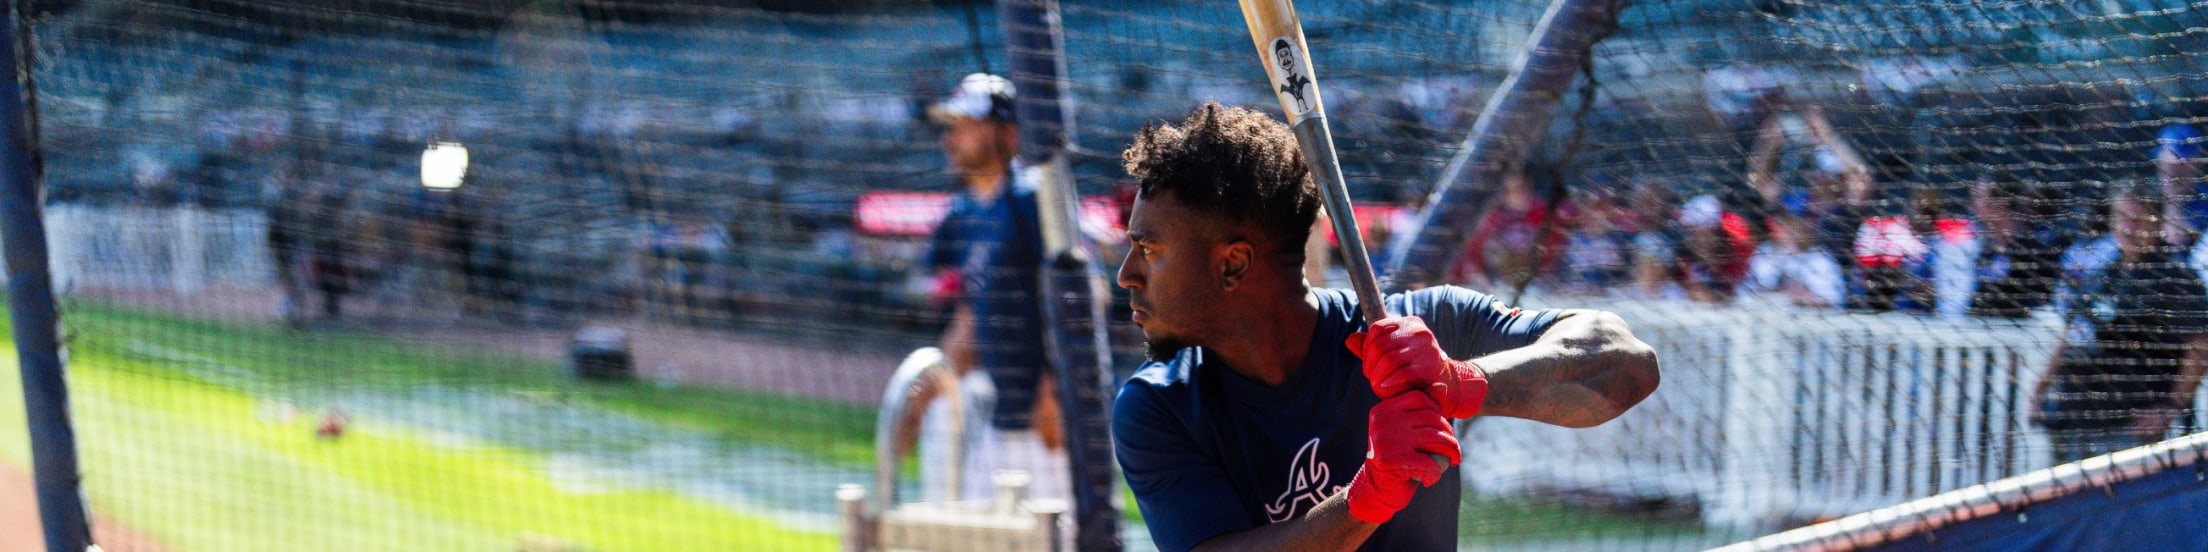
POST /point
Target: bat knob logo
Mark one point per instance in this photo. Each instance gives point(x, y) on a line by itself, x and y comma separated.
point(1295, 85)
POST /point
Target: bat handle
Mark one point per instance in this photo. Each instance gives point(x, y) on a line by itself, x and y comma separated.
point(1439, 460)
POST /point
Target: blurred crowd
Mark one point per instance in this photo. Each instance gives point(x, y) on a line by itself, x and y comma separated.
point(1811, 222)
point(1827, 234)
point(715, 199)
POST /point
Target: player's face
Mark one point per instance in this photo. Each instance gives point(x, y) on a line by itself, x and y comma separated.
point(2137, 227)
point(1707, 243)
point(974, 145)
point(1169, 274)
point(1286, 60)
point(1993, 211)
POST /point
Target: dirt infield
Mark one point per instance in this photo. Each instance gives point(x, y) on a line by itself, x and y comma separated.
point(19, 529)
point(665, 352)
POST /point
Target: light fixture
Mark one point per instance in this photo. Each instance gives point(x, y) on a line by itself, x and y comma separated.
point(444, 165)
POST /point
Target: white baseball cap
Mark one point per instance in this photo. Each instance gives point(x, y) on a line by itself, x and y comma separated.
point(979, 96)
point(1701, 212)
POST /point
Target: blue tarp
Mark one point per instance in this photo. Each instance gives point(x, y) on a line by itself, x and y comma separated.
point(2166, 511)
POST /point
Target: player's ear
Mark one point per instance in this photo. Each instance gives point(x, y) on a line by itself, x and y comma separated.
point(1234, 263)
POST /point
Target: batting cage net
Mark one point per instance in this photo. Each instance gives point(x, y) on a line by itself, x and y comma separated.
point(676, 275)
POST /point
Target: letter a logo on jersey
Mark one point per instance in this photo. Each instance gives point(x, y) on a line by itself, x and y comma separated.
point(1307, 479)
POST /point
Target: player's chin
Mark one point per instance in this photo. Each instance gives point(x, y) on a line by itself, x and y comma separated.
point(1159, 348)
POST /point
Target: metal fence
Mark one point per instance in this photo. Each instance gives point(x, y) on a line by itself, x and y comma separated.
point(182, 249)
point(1769, 415)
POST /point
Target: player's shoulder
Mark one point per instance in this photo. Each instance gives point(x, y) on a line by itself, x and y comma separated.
point(963, 205)
point(1172, 373)
point(1438, 299)
point(1446, 293)
point(1424, 302)
point(1160, 385)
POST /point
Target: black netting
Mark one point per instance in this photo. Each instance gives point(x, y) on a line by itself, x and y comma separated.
point(691, 248)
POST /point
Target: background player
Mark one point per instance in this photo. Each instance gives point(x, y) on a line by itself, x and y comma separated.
point(986, 253)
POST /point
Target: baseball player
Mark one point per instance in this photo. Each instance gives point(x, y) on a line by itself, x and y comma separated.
point(1272, 416)
point(986, 253)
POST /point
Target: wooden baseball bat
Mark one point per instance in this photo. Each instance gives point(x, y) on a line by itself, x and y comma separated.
point(1278, 35)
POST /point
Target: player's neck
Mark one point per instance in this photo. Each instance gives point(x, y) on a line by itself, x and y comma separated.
point(984, 184)
point(1272, 346)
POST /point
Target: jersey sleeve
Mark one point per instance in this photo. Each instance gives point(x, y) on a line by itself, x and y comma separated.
point(1184, 496)
point(1470, 324)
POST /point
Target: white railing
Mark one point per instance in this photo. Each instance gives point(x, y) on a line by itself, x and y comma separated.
point(1768, 414)
point(183, 249)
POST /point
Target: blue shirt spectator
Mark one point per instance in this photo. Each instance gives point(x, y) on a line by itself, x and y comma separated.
point(2177, 157)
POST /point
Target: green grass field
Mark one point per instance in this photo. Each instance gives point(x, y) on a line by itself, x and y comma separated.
point(179, 440)
point(203, 466)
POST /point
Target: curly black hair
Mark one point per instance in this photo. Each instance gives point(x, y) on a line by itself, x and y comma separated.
point(1231, 164)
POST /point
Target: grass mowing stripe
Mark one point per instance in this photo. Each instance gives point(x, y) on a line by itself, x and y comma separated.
point(839, 433)
point(192, 465)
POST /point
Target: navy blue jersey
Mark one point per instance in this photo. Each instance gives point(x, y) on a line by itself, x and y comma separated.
point(1209, 452)
point(2129, 325)
point(997, 249)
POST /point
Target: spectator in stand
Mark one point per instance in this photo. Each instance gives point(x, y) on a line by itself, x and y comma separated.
point(663, 237)
point(2136, 340)
point(697, 248)
point(1879, 252)
point(287, 241)
point(1836, 190)
point(1946, 278)
point(1655, 242)
point(1791, 266)
point(1717, 248)
point(488, 263)
point(2021, 257)
point(2177, 164)
point(1515, 241)
point(1597, 247)
point(333, 266)
point(2083, 261)
point(1888, 258)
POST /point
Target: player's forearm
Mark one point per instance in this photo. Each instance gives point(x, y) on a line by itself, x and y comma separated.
point(1821, 130)
point(1328, 527)
point(1763, 164)
point(2190, 370)
point(1585, 370)
point(2047, 376)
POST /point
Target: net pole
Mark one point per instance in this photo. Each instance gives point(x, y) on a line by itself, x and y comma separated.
point(1506, 130)
point(1073, 283)
point(31, 307)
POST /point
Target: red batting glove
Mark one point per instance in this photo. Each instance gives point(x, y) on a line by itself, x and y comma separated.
point(946, 286)
point(1407, 432)
point(1401, 355)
